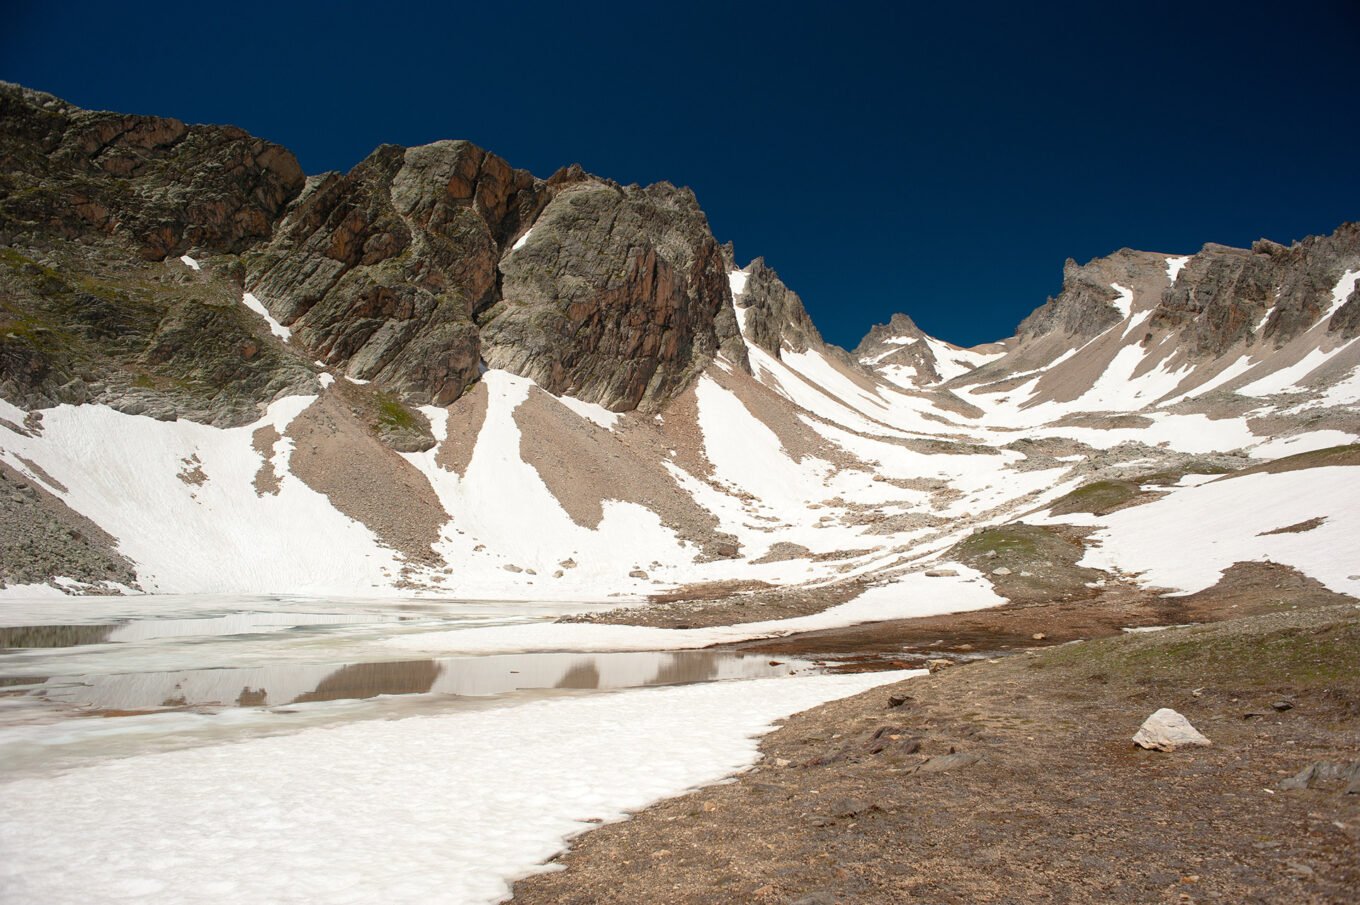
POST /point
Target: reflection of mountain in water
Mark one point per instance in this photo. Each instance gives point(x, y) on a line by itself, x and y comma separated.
point(367, 680)
point(584, 674)
point(680, 669)
point(286, 683)
point(54, 635)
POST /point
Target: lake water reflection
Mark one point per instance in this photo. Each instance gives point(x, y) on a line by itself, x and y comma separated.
point(113, 677)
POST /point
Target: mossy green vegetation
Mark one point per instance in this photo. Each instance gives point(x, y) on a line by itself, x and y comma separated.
point(393, 413)
point(1016, 541)
point(86, 324)
point(1097, 497)
point(1036, 562)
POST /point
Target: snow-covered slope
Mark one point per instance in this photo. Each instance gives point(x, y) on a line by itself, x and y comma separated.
point(808, 470)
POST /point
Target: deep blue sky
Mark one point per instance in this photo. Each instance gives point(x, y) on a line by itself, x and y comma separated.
point(942, 162)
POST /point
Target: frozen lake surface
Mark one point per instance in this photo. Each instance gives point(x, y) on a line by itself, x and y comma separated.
point(234, 749)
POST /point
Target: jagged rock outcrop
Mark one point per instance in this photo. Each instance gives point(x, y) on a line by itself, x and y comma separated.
point(1223, 293)
point(619, 295)
point(774, 314)
point(381, 270)
point(402, 271)
point(90, 204)
point(881, 336)
point(158, 185)
point(1221, 297)
point(1085, 305)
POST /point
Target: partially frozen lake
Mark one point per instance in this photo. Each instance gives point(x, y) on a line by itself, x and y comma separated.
point(232, 749)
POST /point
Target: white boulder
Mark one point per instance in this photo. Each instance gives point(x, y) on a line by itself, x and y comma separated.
point(1167, 730)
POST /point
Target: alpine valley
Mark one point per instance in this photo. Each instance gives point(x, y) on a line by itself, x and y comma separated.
point(441, 378)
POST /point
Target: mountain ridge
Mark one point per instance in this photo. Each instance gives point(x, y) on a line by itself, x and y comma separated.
point(423, 356)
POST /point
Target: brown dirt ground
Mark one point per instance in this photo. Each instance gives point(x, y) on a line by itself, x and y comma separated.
point(566, 451)
point(337, 456)
point(1322, 458)
point(466, 415)
point(1050, 801)
point(266, 477)
point(1246, 589)
point(725, 603)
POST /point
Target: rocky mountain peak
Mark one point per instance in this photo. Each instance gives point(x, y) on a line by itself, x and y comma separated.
point(899, 326)
point(1087, 304)
point(618, 295)
point(1268, 293)
point(773, 313)
point(380, 270)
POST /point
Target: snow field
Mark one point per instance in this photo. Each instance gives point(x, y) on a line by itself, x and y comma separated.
point(1174, 265)
point(258, 307)
point(444, 809)
point(1186, 539)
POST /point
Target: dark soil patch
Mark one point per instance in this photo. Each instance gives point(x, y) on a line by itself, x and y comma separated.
point(1297, 528)
point(1320, 458)
point(1246, 589)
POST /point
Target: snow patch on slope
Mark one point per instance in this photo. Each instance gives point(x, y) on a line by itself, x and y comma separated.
point(502, 505)
point(1340, 292)
point(258, 307)
point(736, 279)
point(135, 477)
point(1125, 300)
point(1175, 265)
point(1289, 379)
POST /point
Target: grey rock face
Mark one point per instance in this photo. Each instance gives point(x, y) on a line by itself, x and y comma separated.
point(157, 184)
point(381, 270)
point(401, 271)
point(619, 296)
point(1085, 306)
point(1225, 292)
point(775, 316)
point(1221, 295)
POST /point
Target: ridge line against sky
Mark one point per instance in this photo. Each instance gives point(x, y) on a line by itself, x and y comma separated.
point(883, 158)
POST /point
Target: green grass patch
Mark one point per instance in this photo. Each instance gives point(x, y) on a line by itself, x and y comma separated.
point(1166, 478)
point(1097, 498)
point(393, 414)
